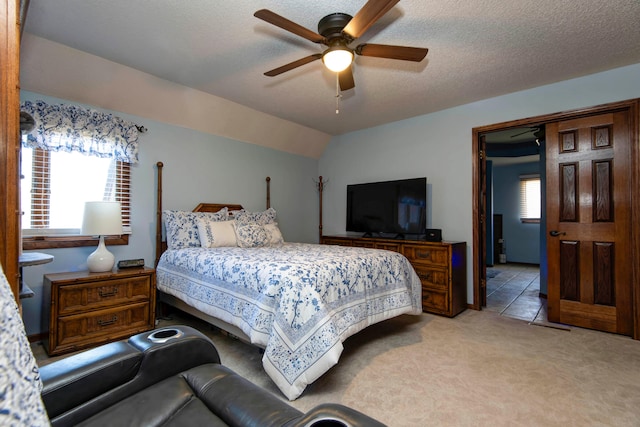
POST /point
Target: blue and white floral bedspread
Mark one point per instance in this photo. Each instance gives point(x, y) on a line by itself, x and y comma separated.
point(298, 301)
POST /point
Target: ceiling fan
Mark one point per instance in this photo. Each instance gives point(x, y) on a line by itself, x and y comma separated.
point(337, 31)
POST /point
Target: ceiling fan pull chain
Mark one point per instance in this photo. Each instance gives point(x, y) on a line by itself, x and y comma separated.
point(338, 96)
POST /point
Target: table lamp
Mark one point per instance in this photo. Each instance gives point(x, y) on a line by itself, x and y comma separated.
point(101, 219)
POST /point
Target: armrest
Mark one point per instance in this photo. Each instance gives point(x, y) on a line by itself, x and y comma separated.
point(81, 377)
point(335, 415)
point(86, 383)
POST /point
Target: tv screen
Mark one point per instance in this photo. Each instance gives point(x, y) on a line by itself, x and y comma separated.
point(398, 207)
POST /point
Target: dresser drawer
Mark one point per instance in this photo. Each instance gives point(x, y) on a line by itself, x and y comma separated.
point(433, 278)
point(433, 300)
point(395, 247)
point(332, 241)
point(432, 255)
point(363, 244)
point(107, 293)
point(88, 328)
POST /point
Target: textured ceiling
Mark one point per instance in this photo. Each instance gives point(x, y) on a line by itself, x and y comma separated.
point(477, 49)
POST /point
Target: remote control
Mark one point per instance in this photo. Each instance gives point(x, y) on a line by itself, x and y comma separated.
point(130, 263)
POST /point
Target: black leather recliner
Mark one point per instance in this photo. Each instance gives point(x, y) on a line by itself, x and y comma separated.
point(167, 377)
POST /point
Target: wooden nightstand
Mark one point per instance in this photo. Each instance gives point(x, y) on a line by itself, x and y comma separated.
point(89, 309)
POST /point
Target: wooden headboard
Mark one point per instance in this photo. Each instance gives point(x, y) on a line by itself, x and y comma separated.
point(215, 207)
point(161, 245)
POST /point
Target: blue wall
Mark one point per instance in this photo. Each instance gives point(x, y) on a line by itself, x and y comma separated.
point(522, 240)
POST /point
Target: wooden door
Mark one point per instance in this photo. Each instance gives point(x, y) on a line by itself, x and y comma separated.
point(483, 221)
point(588, 197)
point(9, 142)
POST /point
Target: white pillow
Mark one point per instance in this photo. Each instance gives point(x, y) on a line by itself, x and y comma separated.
point(274, 236)
point(215, 234)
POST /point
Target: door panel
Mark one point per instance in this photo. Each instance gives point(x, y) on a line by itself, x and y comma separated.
point(588, 222)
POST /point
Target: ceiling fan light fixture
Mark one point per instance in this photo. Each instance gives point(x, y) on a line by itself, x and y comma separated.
point(337, 58)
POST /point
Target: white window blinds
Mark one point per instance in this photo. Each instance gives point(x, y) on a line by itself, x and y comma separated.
point(530, 197)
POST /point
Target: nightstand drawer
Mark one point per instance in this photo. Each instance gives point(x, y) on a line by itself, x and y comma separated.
point(434, 301)
point(88, 328)
point(107, 293)
point(433, 278)
point(427, 255)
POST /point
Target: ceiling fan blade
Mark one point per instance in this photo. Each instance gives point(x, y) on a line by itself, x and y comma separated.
point(345, 78)
point(285, 24)
point(530, 129)
point(521, 133)
point(294, 64)
point(367, 16)
point(404, 53)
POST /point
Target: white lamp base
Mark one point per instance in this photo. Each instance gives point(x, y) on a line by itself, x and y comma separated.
point(101, 260)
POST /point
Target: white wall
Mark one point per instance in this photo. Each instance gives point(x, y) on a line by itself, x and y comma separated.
point(198, 167)
point(438, 146)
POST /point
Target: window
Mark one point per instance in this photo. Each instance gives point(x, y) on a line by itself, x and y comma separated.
point(55, 186)
point(530, 198)
point(70, 156)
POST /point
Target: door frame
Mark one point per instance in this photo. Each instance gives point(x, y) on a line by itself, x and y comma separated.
point(479, 197)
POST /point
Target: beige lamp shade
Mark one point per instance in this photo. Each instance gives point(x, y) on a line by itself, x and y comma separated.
point(101, 219)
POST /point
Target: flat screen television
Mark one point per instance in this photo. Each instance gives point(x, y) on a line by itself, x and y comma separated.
point(398, 207)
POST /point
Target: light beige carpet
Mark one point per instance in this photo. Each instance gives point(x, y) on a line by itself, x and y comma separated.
point(478, 369)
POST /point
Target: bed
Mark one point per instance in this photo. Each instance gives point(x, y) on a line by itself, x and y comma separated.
point(297, 301)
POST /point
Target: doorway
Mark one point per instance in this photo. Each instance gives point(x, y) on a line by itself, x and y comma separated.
point(514, 171)
point(513, 290)
point(479, 156)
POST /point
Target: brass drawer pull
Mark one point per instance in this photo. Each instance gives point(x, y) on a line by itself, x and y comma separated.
point(426, 276)
point(111, 321)
point(423, 254)
point(108, 292)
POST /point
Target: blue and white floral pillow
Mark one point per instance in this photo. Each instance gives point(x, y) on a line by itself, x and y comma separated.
point(182, 227)
point(262, 218)
point(251, 235)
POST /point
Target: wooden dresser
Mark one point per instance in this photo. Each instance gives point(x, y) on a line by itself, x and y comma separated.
point(441, 266)
point(89, 309)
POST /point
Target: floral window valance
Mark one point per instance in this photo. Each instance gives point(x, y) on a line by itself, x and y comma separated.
point(65, 127)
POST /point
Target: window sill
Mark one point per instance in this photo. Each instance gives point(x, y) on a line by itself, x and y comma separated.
point(52, 242)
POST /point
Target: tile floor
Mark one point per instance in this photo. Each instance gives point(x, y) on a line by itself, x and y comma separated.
point(514, 292)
